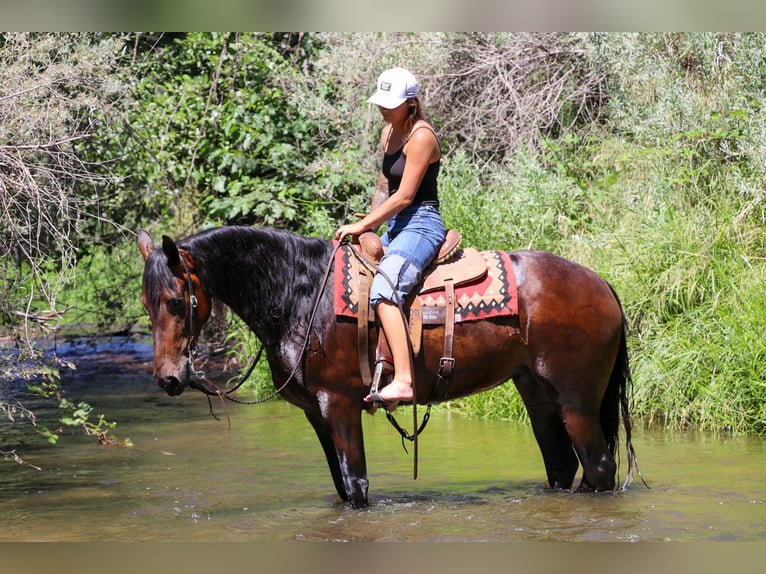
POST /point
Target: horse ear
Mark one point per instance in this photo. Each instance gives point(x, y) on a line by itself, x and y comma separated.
point(145, 244)
point(171, 252)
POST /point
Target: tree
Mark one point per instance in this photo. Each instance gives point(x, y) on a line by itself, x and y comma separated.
point(222, 131)
point(56, 91)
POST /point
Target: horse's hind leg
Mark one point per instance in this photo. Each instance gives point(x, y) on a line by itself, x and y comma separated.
point(555, 445)
point(599, 467)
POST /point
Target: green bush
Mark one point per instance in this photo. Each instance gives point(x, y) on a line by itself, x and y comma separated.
point(665, 200)
point(639, 155)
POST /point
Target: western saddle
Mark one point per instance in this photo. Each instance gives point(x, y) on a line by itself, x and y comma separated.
point(451, 267)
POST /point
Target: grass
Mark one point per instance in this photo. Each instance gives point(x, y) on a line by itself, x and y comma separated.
point(688, 265)
point(663, 196)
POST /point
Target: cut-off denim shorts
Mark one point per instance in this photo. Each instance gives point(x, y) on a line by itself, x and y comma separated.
point(413, 239)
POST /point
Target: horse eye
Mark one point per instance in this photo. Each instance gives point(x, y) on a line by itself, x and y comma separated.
point(176, 303)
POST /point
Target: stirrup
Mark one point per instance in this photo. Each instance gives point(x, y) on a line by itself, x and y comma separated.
point(383, 368)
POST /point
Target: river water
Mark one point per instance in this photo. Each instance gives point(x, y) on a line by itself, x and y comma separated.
point(189, 477)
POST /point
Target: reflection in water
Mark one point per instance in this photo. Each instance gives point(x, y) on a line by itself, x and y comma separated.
point(190, 479)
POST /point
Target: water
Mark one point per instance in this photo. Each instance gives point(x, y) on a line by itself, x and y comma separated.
point(190, 478)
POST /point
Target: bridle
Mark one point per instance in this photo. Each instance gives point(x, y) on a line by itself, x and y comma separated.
point(201, 382)
point(204, 384)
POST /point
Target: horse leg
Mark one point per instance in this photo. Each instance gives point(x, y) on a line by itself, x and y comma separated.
point(599, 466)
point(555, 445)
point(582, 414)
point(342, 441)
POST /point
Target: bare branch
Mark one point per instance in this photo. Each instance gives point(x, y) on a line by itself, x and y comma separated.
point(500, 92)
point(50, 145)
point(11, 454)
point(55, 90)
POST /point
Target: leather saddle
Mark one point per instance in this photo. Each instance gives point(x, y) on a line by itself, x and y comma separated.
point(451, 267)
point(450, 264)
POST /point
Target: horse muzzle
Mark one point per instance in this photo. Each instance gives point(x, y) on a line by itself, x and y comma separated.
point(172, 385)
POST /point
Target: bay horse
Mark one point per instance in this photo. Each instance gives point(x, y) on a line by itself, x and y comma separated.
point(565, 350)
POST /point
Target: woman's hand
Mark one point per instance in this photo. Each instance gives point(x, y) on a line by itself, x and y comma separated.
point(353, 229)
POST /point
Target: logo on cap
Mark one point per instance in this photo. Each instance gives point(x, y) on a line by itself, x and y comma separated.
point(385, 86)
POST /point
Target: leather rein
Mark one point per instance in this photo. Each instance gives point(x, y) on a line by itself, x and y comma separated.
point(209, 388)
point(204, 384)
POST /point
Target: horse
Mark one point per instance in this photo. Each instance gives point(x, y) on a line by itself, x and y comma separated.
point(565, 349)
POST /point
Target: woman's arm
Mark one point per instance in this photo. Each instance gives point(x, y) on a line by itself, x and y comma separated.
point(421, 150)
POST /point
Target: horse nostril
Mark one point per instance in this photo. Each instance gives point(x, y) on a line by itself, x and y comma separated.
point(171, 385)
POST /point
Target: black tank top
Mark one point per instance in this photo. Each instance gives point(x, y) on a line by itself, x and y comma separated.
point(393, 169)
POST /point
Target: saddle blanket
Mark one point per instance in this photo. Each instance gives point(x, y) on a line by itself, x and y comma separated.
point(493, 295)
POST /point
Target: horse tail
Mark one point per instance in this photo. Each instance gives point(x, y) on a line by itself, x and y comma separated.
point(616, 403)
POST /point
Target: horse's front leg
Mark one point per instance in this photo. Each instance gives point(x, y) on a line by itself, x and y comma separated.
point(338, 425)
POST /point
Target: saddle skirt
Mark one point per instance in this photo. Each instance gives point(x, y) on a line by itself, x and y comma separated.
point(484, 281)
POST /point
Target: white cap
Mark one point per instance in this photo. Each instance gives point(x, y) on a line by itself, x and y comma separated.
point(395, 86)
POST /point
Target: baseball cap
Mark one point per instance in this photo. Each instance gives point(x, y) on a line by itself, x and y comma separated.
point(395, 86)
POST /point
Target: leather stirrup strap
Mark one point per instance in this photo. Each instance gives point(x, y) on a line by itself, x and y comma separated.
point(383, 352)
point(384, 364)
point(363, 327)
point(447, 362)
point(416, 325)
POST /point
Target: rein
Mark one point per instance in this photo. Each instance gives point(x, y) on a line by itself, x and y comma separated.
point(413, 438)
point(208, 387)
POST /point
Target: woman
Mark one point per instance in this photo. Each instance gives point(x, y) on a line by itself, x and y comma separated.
point(411, 161)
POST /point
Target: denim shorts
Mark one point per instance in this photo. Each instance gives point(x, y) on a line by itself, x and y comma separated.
point(413, 239)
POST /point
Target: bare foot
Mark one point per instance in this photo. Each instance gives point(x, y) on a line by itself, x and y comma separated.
point(395, 391)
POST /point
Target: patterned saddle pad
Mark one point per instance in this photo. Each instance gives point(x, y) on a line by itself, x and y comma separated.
point(492, 295)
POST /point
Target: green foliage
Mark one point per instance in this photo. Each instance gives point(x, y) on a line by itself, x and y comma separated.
point(243, 347)
point(665, 200)
point(687, 249)
point(638, 155)
point(219, 134)
point(521, 206)
point(106, 296)
point(71, 414)
point(704, 370)
point(44, 383)
point(701, 362)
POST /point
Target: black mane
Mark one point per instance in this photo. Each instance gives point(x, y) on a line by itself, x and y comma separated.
point(268, 277)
